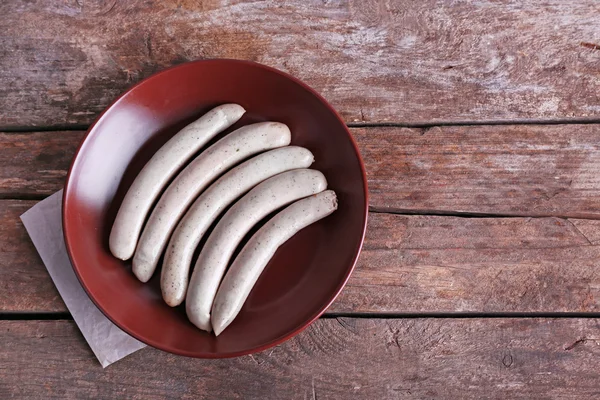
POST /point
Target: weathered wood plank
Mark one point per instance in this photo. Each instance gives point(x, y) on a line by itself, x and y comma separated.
point(24, 282)
point(36, 163)
point(519, 170)
point(447, 264)
point(333, 359)
point(409, 264)
point(402, 61)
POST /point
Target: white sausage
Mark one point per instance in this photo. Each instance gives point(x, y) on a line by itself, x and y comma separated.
point(255, 255)
point(159, 170)
point(210, 164)
point(204, 211)
point(265, 198)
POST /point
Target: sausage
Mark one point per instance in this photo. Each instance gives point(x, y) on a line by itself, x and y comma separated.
point(210, 164)
point(265, 198)
point(255, 255)
point(159, 170)
point(204, 211)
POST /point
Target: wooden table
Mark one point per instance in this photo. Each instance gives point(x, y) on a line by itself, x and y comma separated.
point(479, 125)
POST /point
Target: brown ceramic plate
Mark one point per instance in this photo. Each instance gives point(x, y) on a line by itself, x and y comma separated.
point(306, 274)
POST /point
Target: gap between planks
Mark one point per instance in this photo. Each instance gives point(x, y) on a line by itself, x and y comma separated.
point(430, 124)
point(65, 316)
point(469, 214)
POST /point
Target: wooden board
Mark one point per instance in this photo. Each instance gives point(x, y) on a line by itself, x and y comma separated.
point(430, 264)
point(409, 264)
point(24, 282)
point(35, 164)
point(514, 170)
point(400, 61)
point(333, 359)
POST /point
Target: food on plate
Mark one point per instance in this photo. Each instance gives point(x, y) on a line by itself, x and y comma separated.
point(255, 255)
point(209, 165)
point(195, 199)
point(159, 170)
point(265, 198)
point(214, 200)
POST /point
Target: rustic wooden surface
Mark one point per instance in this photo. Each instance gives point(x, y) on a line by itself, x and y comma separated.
point(24, 282)
point(409, 264)
point(475, 210)
point(334, 359)
point(62, 62)
point(35, 164)
point(508, 170)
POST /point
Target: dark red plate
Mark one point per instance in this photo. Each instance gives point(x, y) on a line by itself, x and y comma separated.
point(306, 274)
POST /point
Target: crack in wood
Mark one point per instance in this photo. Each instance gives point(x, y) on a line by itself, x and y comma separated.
point(581, 341)
point(579, 231)
point(589, 45)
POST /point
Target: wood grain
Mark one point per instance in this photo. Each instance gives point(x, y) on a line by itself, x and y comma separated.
point(409, 264)
point(431, 264)
point(36, 163)
point(333, 359)
point(515, 170)
point(62, 62)
point(24, 282)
